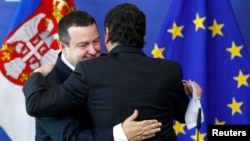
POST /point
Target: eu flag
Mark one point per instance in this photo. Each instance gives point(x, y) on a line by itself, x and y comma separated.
point(204, 37)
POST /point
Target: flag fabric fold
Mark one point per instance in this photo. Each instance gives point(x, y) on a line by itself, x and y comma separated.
point(203, 36)
point(30, 43)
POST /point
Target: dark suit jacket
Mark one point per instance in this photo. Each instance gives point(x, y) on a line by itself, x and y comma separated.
point(73, 126)
point(112, 86)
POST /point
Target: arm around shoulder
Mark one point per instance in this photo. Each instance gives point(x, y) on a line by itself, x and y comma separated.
point(36, 82)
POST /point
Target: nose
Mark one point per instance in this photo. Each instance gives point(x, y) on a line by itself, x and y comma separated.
point(92, 50)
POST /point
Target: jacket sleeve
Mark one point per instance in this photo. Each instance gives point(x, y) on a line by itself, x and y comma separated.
point(68, 129)
point(181, 99)
point(98, 135)
point(43, 101)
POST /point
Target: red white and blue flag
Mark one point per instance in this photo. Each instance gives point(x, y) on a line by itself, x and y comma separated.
point(30, 43)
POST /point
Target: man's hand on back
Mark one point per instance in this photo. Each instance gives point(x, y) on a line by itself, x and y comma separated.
point(140, 130)
point(45, 70)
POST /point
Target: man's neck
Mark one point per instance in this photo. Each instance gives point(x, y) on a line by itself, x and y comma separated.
point(110, 46)
point(67, 62)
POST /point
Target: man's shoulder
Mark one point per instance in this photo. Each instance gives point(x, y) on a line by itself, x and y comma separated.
point(161, 60)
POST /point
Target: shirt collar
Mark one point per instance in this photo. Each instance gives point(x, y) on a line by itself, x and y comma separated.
point(67, 62)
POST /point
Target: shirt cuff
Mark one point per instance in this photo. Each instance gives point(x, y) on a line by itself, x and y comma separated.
point(118, 133)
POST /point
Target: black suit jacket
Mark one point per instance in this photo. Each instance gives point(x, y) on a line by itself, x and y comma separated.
point(72, 127)
point(112, 86)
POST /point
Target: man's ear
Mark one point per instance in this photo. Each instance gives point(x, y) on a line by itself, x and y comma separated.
point(106, 35)
point(62, 47)
point(60, 44)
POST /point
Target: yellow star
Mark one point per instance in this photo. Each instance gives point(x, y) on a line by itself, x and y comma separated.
point(24, 77)
point(176, 31)
point(198, 21)
point(217, 122)
point(235, 106)
point(201, 136)
point(234, 50)
point(46, 21)
point(157, 52)
point(216, 28)
point(179, 128)
point(8, 48)
point(6, 56)
point(242, 79)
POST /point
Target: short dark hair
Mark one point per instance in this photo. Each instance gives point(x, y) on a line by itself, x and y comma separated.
point(127, 25)
point(74, 18)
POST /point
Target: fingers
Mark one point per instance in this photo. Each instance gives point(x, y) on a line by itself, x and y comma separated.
point(198, 89)
point(148, 127)
point(133, 116)
point(151, 127)
point(147, 137)
point(189, 90)
point(149, 130)
point(45, 70)
point(140, 130)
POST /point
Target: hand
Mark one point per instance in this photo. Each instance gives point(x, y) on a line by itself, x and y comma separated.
point(140, 130)
point(189, 90)
point(45, 70)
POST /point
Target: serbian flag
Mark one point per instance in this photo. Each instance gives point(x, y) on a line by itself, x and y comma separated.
point(30, 43)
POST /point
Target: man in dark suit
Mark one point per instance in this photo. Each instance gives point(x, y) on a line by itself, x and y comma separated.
point(79, 41)
point(112, 86)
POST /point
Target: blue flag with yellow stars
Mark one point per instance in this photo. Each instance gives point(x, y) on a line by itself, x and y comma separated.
point(204, 37)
